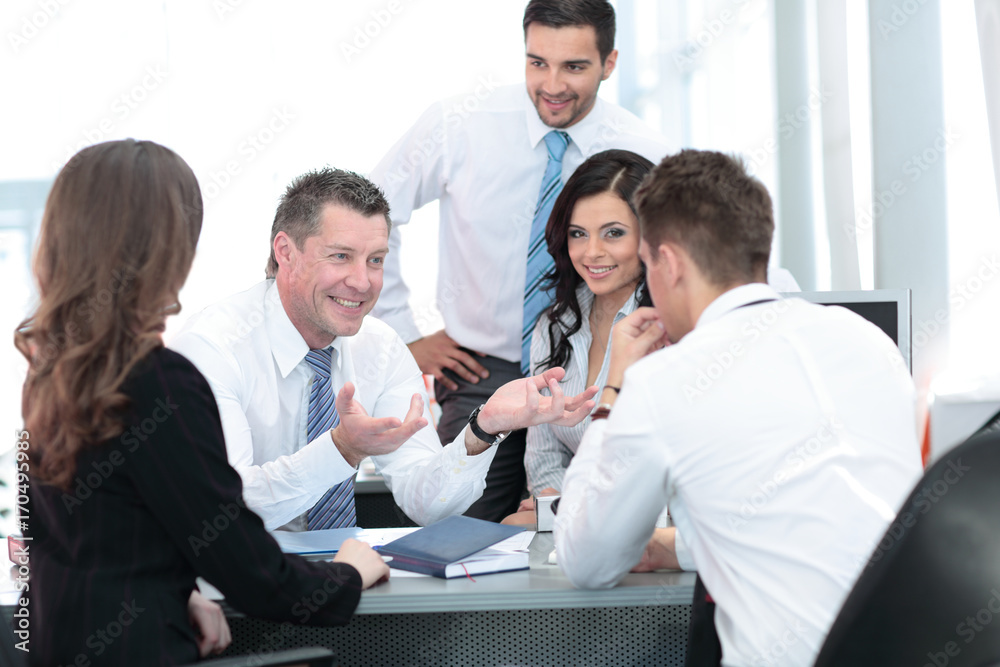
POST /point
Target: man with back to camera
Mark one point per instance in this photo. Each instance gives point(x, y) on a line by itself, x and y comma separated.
point(497, 171)
point(307, 385)
point(782, 433)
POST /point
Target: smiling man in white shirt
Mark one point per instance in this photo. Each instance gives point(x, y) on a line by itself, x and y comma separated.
point(485, 165)
point(258, 351)
point(782, 434)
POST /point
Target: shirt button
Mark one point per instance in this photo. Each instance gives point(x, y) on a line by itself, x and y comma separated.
point(458, 470)
point(461, 463)
point(444, 500)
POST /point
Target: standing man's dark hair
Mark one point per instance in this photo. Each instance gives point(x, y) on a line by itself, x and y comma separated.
point(564, 13)
point(301, 207)
point(707, 203)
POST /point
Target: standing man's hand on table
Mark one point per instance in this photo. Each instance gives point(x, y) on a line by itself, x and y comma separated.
point(439, 351)
point(365, 560)
point(358, 435)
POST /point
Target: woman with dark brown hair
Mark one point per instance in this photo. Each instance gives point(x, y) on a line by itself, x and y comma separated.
point(597, 279)
point(130, 494)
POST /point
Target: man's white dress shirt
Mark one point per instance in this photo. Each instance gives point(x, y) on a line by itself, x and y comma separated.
point(484, 161)
point(254, 359)
point(783, 436)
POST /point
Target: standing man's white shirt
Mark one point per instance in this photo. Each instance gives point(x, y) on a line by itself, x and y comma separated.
point(253, 358)
point(485, 167)
point(782, 434)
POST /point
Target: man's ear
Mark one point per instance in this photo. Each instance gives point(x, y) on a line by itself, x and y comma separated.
point(609, 64)
point(284, 250)
point(675, 261)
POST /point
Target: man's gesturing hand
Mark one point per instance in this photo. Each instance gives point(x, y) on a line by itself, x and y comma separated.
point(439, 351)
point(358, 435)
point(519, 404)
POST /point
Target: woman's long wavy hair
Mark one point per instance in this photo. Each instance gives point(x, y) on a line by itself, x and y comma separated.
point(117, 241)
point(616, 171)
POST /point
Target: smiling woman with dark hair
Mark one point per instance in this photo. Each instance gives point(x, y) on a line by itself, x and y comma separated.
point(593, 237)
point(130, 494)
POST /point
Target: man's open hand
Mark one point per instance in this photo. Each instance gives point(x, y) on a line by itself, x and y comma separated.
point(520, 404)
point(358, 435)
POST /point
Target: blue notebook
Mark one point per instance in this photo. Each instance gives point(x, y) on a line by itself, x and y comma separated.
point(444, 549)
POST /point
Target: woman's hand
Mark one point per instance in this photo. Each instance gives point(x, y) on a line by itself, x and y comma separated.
point(365, 560)
point(209, 624)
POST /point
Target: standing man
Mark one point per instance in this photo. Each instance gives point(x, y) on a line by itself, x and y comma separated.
point(307, 385)
point(781, 433)
point(497, 171)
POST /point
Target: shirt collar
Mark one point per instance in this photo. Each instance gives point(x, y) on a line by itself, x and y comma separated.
point(288, 347)
point(583, 133)
point(585, 298)
point(736, 298)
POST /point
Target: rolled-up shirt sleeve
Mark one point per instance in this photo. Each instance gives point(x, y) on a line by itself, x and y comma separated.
point(428, 481)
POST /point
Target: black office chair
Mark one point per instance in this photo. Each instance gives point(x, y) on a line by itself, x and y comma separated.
point(930, 593)
point(304, 657)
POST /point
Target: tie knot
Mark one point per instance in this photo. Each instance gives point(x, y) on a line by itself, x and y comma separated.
point(320, 361)
point(556, 142)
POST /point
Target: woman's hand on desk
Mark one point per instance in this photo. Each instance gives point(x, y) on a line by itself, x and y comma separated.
point(528, 504)
point(365, 560)
point(209, 623)
point(660, 553)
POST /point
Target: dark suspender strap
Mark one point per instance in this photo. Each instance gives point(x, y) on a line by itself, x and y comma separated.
point(703, 648)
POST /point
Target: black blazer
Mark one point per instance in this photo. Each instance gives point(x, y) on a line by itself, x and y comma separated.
point(114, 560)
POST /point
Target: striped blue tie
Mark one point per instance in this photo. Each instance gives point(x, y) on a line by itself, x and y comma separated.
point(540, 262)
point(336, 508)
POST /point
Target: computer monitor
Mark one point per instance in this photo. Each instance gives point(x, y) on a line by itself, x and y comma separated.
point(888, 309)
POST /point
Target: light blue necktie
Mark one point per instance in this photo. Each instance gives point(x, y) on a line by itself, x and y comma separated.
point(540, 262)
point(336, 508)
